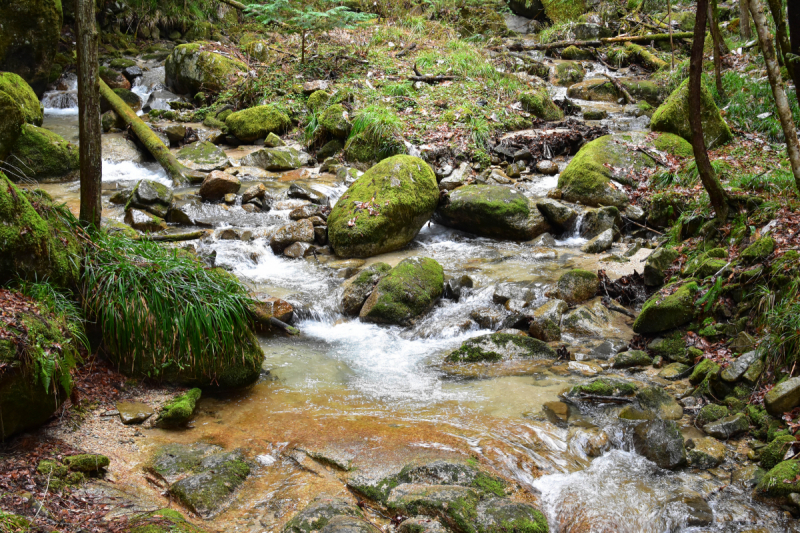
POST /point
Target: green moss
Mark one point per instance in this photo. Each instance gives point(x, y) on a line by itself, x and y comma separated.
point(317, 101)
point(402, 189)
point(500, 346)
point(178, 411)
point(540, 105)
point(257, 122)
point(711, 413)
point(773, 485)
point(11, 121)
point(23, 95)
point(189, 69)
point(661, 313)
point(162, 521)
point(407, 292)
point(489, 484)
point(334, 121)
point(363, 148)
point(86, 462)
point(48, 467)
point(573, 53)
point(673, 145)
point(564, 10)
point(673, 117)
point(11, 523)
point(773, 453)
point(45, 156)
point(598, 387)
point(569, 72)
point(703, 369)
point(759, 250)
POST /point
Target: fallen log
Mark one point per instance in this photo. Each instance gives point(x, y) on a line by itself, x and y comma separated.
point(283, 326)
point(176, 237)
point(429, 79)
point(625, 94)
point(179, 174)
point(600, 42)
point(234, 3)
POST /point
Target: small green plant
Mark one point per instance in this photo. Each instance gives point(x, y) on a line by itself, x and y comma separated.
point(379, 124)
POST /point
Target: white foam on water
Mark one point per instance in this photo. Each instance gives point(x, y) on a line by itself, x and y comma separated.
point(60, 111)
point(124, 171)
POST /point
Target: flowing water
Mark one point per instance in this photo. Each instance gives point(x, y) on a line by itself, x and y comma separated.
point(373, 398)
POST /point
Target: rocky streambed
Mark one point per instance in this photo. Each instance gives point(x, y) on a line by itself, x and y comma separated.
point(509, 400)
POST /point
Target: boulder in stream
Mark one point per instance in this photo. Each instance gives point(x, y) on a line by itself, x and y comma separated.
point(203, 156)
point(384, 209)
point(500, 347)
point(540, 105)
point(492, 211)
point(11, 121)
point(257, 122)
point(217, 184)
point(358, 288)
point(45, 156)
point(406, 293)
point(276, 159)
point(662, 313)
point(556, 213)
point(602, 90)
point(673, 117)
point(285, 236)
point(191, 68)
point(661, 442)
point(576, 286)
point(151, 196)
point(546, 321)
point(706, 452)
point(774, 483)
point(601, 243)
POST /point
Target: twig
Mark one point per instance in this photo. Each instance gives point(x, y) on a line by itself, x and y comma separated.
point(641, 226)
point(628, 98)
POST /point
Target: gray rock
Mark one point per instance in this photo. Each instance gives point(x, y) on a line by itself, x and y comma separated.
point(706, 452)
point(748, 476)
point(204, 156)
point(273, 141)
point(601, 243)
point(434, 500)
point(298, 250)
point(456, 179)
point(661, 442)
point(632, 358)
point(586, 31)
point(347, 524)
point(591, 320)
point(144, 221)
point(656, 265)
point(358, 288)
point(173, 461)
point(209, 492)
point(675, 371)
point(217, 184)
point(299, 231)
point(151, 196)
point(691, 506)
point(576, 286)
point(546, 321)
point(728, 427)
point(734, 371)
point(548, 168)
point(501, 347)
point(131, 413)
point(783, 397)
point(558, 214)
point(276, 159)
point(308, 211)
point(303, 192)
point(320, 511)
point(543, 241)
point(421, 524)
point(597, 221)
point(494, 514)
point(635, 213)
point(255, 191)
point(175, 133)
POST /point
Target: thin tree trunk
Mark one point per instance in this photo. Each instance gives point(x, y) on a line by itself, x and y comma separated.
point(794, 34)
point(91, 164)
point(744, 19)
point(785, 48)
point(517, 46)
point(671, 41)
point(707, 175)
point(775, 80)
point(717, 39)
point(234, 3)
point(179, 174)
point(303, 47)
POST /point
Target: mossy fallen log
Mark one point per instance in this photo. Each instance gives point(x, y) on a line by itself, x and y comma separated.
point(177, 237)
point(179, 174)
point(600, 42)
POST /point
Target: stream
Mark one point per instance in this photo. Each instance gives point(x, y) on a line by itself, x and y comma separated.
point(374, 398)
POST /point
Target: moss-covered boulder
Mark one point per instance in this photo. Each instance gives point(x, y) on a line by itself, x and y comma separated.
point(602, 90)
point(11, 121)
point(573, 53)
point(358, 288)
point(179, 410)
point(161, 521)
point(364, 148)
point(35, 240)
point(13, 85)
point(209, 491)
point(406, 293)
point(257, 122)
point(335, 122)
point(782, 480)
point(759, 250)
point(540, 105)
point(384, 209)
point(564, 11)
point(45, 156)
point(588, 177)
point(569, 73)
point(577, 286)
point(29, 39)
point(502, 515)
point(191, 68)
point(773, 453)
point(673, 117)
point(317, 101)
point(37, 354)
point(656, 265)
point(632, 358)
point(88, 463)
point(276, 159)
point(662, 313)
point(501, 347)
point(203, 156)
point(492, 211)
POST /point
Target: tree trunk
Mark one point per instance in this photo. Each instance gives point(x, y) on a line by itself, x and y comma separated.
point(707, 175)
point(717, 38)
point(794, 33)
point(775, 80)
point(180, 174)
point(234, 3)
point(91, 164)
point(671, 40)
point(744, 19)
point(785, 48)
point(303, 48)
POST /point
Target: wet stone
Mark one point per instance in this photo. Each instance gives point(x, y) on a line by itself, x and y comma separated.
point(495, 514)
point(173, 461)
point(706, 452)
point(783, 397)
point(209, 492)
point(548, 168)
point(319, 512)
point(347, 524)
point(556, 412)
point(204, 156)
point(674, 371)
point(297, 250)
point(421, 524)
point(661, 442)
point(692, 505)
point(734, 371)
point(134, 412)
point(632, 358)
point(748, 476)
point(302, 192)
point(728, 427)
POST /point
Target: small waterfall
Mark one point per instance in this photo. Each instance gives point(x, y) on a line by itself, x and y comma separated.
point(63, 99)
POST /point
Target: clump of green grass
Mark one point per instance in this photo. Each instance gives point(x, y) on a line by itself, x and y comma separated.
point(378, 123)
point(777, 181)
point(61, 304)
point(749, 98)
point(160, 303)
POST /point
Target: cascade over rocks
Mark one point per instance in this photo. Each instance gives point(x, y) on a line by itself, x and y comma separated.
point(384, 209)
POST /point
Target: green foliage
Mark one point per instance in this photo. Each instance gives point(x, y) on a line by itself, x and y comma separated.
point(60, 303)
point(748, 98)
point(380, 125)
point(162, 304)
point(776, 181)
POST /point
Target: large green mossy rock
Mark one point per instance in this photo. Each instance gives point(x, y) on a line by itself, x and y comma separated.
point(588, 177)
point(35, 243)
point(33, 338)
point(190, 69)
point(563, 10)
point(179, 410)
point(384, 209)
point(45, 156)
point(774, 483)
point(673, 117)
point(29, 34)
point(501, 347)
point(540, 105)
point(662, 313)
point(13, 85)
point(406, 293)
point(161, 521)
point(363, 148)
point(11, 120)
point(602, 90)
point(257, 122)
point(209, 491)
point(492, 211)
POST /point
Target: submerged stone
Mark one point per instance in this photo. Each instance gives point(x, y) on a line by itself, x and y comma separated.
point(661, 442)
point(501, 347)
point(209, 491)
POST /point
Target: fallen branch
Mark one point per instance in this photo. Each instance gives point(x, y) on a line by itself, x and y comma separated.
point(283, 326)
point(429, 79)
point(234, 3)
point(641, 226)
point(597, 398)
point(625, 94)
point(179, 174)
point(177, 237)
point(600, 42)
